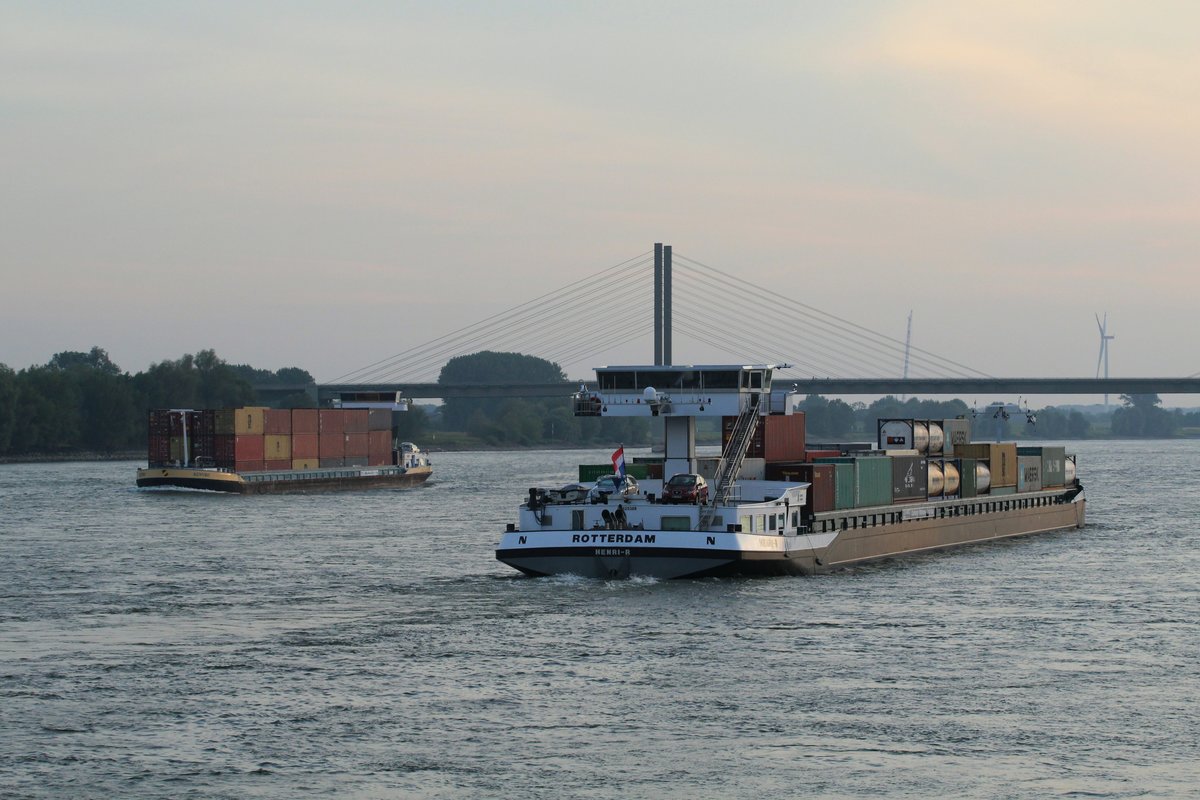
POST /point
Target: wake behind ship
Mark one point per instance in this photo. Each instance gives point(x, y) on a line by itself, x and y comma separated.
point(769, 505)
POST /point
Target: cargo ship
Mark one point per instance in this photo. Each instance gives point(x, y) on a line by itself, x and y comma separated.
point(770, 505)
point(256, 450)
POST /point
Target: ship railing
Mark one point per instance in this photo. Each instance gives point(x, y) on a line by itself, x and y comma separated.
point(586, 404)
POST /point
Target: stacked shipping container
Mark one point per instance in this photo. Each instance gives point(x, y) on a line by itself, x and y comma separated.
point(255, 439)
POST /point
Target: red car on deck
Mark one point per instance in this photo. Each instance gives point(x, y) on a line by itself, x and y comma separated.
point(686, 487)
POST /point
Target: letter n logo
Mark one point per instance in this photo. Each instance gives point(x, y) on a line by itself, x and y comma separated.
point(711, 539)
point(521, 540)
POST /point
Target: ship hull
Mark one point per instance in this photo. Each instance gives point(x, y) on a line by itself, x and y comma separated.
point(695, 554)
point(335, 479)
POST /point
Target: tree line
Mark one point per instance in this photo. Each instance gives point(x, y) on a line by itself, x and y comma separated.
point(83, 402)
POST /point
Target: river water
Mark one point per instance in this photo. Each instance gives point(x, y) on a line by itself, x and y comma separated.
point(367, 644)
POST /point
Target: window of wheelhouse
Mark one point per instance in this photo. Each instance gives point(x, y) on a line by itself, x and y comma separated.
point(616, 381)
point(719, 379)
point(752, 379)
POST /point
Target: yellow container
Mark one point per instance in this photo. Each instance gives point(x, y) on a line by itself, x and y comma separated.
point(249, 420)
point(305, 463)
point(277, 446)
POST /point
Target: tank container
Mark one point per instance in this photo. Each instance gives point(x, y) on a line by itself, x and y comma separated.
point(935, 479)
point(1069, 471)
point(937, 438)
point(903, 434)
point(953, 478)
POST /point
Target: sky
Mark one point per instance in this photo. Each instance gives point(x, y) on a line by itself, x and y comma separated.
point(323, 185)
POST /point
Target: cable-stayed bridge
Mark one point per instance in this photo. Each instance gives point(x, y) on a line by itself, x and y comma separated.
point(661, 296)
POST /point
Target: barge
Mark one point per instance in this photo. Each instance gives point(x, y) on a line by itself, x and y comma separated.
point(254, 450)
point(772, 506)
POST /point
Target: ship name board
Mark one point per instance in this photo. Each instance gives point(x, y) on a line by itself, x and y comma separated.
point(612, 538)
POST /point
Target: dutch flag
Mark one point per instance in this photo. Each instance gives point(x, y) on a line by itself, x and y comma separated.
point(618, 459)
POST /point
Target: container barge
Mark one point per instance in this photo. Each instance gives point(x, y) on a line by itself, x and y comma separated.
point(770, 505)
point(255, 450)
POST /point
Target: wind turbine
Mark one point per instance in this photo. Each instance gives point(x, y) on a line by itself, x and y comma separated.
point(1105, 338)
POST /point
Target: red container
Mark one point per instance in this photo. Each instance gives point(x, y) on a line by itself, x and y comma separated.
point(206, 423)
point(357, 420)
point(812, 455)
point(823, 480)
point(331, 445)
point(160, 423)
point(379, 448)
point(248, 447)
point(305, 445)
point(249, 466)
point(332, 420)
point(277, 421)
point(357, 444)
point(379, 419)
point(159, 451)
point(305, 420)
point(783, 437)
point(279, 465)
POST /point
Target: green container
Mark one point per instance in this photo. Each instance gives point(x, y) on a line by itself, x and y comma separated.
point(872, 481)
point(843, 486)
point(968, 486)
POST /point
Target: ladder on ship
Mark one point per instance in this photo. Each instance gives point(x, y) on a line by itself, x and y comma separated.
point(732, 458)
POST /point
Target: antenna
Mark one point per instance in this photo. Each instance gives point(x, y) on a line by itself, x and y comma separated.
point(1105, 338)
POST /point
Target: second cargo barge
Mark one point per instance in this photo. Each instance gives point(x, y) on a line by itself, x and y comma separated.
point(257, 450)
